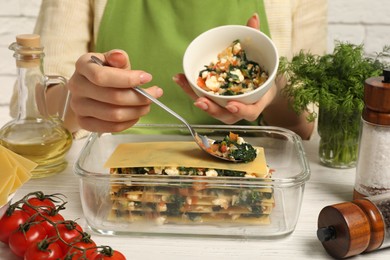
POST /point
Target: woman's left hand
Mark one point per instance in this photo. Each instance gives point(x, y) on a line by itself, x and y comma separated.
point(234, 111)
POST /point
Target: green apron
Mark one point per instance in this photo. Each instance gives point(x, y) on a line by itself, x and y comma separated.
point(155, 34)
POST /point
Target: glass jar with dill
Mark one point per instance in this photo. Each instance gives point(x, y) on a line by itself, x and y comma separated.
point(334, 83)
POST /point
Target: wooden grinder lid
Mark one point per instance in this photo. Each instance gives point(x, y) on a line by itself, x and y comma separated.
point(377, 99)
point(343, 229)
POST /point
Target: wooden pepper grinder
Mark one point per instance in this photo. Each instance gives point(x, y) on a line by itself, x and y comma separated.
point(351, 228)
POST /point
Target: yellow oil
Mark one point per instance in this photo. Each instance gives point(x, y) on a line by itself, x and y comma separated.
point(45, 143)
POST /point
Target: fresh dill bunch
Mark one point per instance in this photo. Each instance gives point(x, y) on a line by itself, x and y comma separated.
point(334, 81)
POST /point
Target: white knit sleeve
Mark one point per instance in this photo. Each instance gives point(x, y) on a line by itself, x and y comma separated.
point(66, 31)
point(298, 24)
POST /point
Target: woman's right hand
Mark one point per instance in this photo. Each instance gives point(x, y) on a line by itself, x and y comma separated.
point(101, 97)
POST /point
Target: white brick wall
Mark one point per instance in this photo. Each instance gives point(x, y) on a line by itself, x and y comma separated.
point(16, 16)
point(355, 21)
point(360, 21)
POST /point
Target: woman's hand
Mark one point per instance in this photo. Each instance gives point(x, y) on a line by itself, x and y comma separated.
point(234, 111)
point(102, 99)
point(275, 108)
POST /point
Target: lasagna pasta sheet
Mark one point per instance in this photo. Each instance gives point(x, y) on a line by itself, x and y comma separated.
point(172, 154)
point(196, 202)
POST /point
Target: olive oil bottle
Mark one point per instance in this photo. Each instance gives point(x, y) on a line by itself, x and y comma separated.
point(34, 134)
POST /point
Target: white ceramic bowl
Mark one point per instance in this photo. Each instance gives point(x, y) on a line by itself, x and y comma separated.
point(205, 48)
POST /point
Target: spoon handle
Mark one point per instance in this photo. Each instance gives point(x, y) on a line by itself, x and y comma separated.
point(157, 102)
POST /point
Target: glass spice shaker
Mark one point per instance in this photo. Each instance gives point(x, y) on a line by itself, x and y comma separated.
point(34, 134)
point(373, 167)
point(351, 228)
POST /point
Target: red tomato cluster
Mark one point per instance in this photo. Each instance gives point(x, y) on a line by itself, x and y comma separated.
point(34, 229)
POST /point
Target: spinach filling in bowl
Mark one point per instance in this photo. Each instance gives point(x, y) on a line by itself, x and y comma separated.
point(232, 73)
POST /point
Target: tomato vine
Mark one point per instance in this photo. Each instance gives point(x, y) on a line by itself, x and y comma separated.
point(34, 228)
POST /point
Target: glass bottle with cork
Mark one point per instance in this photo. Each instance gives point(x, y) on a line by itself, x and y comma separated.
point(34, 133)
point(373, 167)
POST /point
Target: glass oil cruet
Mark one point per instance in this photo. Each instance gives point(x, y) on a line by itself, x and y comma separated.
point(34, 134)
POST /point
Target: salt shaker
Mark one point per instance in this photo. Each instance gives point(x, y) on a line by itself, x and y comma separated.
point(351, 228)
point(373, 167)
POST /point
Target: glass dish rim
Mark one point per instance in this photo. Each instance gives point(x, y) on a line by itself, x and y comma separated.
point(297, 179)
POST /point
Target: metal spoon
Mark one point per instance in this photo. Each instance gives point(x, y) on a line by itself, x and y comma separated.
point(201, 140)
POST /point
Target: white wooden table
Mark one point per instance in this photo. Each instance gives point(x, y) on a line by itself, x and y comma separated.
point(326, 186)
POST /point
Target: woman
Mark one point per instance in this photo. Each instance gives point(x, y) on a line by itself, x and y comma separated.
point(143, 42)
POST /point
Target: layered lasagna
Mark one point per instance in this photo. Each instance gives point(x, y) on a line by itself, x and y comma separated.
point(175, 182)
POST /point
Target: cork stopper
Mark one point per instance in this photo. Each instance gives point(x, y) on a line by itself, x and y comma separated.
point(343, 229)
point(28, 50)
point(377, 99)
point(29, 40)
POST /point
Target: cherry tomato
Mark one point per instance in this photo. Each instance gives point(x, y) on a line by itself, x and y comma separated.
point(10, 222)
point(52, 216)
point(108, 253)
point(43, 250)
point(24, 236)
point(69, 231)
point(86, 244)
point(38, 205)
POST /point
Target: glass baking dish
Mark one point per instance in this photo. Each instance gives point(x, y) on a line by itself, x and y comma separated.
point(276, 200)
